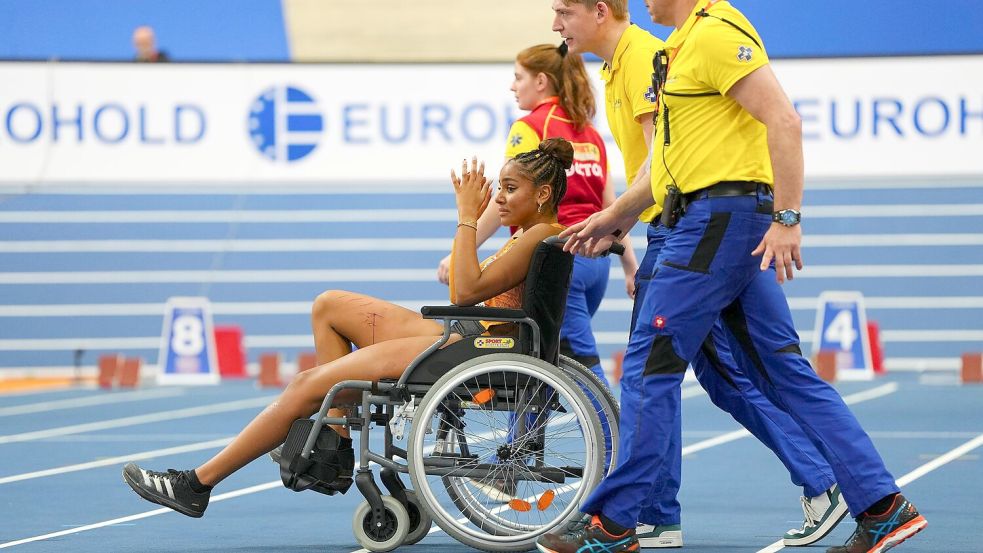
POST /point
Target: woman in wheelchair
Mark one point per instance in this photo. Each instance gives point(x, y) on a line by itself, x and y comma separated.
point(388, 337)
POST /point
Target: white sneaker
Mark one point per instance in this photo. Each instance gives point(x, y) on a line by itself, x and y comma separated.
point(822, 514)
point(657, 537)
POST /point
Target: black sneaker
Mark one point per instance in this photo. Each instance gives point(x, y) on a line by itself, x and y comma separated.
point(587, 536)
point(878, 533)
point(170, 489)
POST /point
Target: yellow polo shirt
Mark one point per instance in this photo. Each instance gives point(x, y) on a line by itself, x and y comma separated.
point(712, 138)
point(628, 97)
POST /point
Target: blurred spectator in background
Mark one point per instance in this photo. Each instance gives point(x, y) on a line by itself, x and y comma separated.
point(145, 44)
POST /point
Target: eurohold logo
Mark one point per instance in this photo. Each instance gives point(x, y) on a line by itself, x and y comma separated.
point(285, 124)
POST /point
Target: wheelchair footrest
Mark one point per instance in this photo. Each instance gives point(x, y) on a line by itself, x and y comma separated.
point(328, 469)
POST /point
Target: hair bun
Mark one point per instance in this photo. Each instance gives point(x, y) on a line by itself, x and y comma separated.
point(558, 149)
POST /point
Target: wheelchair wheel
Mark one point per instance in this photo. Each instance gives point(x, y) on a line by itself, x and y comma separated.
point(609, 413)
point(607, 406)
point(504, 418)
point(420, 521)
point(386, 537)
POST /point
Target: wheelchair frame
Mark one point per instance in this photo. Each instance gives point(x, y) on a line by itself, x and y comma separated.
point(397, 401)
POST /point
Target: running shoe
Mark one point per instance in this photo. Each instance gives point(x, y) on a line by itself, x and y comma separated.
point(170, 489)
point(878, 533)
point(822, 514)
point(590, 536)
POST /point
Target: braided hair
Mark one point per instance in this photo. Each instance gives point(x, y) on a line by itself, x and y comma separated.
point(547, 164)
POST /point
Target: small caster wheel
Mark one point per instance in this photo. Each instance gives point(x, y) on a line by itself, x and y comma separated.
point(384, 536)
point(420, 520)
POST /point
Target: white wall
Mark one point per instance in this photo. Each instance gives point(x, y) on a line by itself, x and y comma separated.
point(99, 123)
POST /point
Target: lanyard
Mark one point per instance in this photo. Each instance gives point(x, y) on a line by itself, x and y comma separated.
point(675, 51)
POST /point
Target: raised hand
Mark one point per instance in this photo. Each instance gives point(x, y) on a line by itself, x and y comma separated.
point(472, 190)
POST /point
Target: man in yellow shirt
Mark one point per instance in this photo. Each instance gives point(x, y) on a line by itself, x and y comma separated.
point(728, 165)
point(603, 28)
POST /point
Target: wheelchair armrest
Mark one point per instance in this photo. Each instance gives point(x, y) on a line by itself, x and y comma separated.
point(471, 313)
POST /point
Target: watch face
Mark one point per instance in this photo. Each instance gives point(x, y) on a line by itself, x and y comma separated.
point(788, 217)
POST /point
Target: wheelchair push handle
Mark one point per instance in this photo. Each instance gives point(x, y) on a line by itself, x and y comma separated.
point(617, 248)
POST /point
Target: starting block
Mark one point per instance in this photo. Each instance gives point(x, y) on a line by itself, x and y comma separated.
point(129, 373)
point(306, 361)
point(617, 363)
point(109, 365)
point(972, 368)
point(825, 365)
point(269, 371)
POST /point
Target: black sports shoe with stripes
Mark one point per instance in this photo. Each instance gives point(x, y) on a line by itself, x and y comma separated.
point(170, 489)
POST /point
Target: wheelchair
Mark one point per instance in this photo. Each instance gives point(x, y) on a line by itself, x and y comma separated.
point(504, 436)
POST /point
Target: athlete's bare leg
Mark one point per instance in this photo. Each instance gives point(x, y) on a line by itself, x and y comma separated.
point(304, 396)
point(341, 319)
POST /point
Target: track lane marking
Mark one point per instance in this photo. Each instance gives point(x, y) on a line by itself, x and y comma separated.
point(117, 459)
point(139, 419)
point(866, 395)
point(138, 516)
point(88, 401)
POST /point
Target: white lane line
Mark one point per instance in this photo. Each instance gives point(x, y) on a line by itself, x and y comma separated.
point(211, 444)
point(693, 391)
point(692, 434)
point(866, 395)
point(805, 303)
point(423, 275)
point(941, 461)
point(410, 215)
point(277, 245)
point(138, 516)
point(307, 341)
point(238, 216)
point(102, 399)
point(391, 244)
point(928, 467)
point(139, 419)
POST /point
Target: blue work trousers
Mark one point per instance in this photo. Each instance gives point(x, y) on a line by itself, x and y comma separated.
point(588, 284)
point(705, 272)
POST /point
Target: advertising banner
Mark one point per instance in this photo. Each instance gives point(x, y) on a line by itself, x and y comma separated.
point(389, 124)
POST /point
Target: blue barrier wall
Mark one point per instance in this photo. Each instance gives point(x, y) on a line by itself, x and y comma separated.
point(852, 28)
point(253, 30)
point(188, 30)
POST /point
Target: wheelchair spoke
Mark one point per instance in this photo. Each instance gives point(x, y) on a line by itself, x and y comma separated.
point(515, 452)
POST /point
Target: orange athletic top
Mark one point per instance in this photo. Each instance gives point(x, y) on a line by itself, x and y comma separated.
point(511, 298)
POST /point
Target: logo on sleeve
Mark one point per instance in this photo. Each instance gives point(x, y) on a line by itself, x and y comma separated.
point(515, 140)
point(659, 322)
point(744, 53)
point(650, 95)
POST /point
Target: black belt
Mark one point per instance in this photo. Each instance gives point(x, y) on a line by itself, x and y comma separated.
point(724, 189)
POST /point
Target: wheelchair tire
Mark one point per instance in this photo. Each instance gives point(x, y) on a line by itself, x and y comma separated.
point(391, 535)
point(489, 529)
point(420, 521)
point(610, 408)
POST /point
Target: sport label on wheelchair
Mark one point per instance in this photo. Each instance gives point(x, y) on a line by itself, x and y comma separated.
point(487, 342)
point(841, 326)
point(187, 343)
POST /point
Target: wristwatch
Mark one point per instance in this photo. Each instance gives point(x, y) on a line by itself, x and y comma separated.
point(787, 217)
